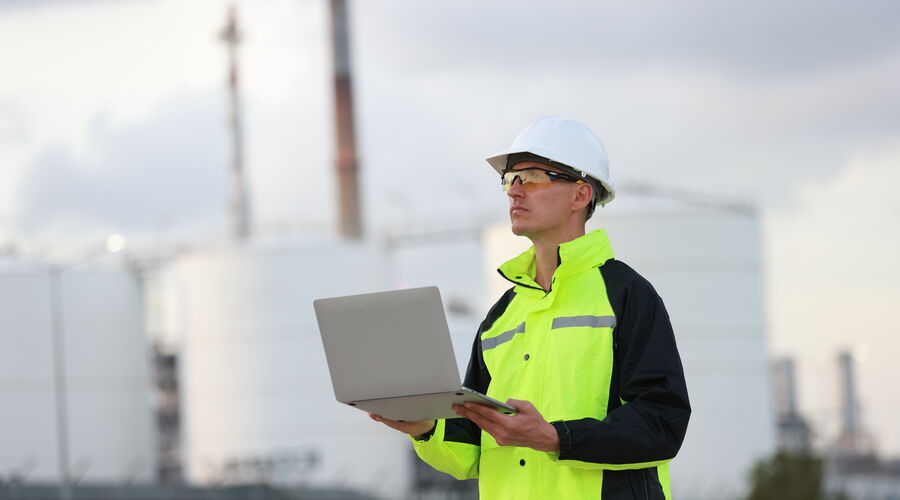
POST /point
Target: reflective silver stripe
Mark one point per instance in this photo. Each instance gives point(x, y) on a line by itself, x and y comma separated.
point(503, 337)
point(591, 321)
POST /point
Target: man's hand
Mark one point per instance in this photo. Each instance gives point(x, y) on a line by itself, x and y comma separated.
point(527, 428)
point(414, 429)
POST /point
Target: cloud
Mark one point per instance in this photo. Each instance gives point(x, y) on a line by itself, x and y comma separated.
point(167, 169)
point(843, 219)
point(694, 130)
point(12, 123)
point(31, 4)
point(755, 39)
point(742, 100)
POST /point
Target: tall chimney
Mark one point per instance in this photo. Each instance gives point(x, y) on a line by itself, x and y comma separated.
point(850, 427)
point(785, 388)
point(349, 223)
point(793, 431)
point(238, 203)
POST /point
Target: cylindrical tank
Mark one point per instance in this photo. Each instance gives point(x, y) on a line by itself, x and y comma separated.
point(257, 399)
point(106, 419)
point(706, 265)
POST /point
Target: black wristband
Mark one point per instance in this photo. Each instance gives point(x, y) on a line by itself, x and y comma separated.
point(426, 436)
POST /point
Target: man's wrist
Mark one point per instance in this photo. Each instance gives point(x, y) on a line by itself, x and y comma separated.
point(552, 439)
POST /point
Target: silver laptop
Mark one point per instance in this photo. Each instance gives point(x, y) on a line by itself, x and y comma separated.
point(389, 353)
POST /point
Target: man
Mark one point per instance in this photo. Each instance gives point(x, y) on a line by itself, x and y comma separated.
point(581, 346)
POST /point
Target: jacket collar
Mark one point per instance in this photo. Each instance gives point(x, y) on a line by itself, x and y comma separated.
point(583, 253)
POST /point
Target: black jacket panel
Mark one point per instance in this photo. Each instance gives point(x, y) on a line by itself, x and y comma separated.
point(648, 376)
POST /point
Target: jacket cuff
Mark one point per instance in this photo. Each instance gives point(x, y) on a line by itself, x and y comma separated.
point(565, 439)
point(426, 436)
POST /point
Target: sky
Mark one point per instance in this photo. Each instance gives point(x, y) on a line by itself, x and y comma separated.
point(113, 120)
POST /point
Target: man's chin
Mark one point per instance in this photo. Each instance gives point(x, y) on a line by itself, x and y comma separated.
point(519, 229)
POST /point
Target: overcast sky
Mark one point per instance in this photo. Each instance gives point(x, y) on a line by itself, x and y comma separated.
point(113, 119)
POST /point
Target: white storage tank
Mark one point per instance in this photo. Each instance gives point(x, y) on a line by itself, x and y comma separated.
point(27, 422)
point(256, 395)
point(107, 417)
point(706, 264)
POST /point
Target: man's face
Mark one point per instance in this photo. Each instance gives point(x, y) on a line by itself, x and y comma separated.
point(539, 207)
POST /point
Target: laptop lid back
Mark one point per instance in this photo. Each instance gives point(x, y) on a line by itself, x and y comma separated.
point(387, 344)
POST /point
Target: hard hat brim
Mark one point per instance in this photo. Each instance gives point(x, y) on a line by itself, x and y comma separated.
point(498, 160)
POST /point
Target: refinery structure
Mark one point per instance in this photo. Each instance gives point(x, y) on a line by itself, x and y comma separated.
point(204, 365)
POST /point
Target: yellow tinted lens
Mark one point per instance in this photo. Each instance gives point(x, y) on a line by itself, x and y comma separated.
point(527, 176)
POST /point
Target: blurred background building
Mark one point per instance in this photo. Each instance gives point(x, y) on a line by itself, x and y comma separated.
point(75, 373)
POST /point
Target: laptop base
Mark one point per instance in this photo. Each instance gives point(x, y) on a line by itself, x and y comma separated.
point(427, 406)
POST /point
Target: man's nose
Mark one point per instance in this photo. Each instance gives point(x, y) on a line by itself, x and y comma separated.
point(516, 190)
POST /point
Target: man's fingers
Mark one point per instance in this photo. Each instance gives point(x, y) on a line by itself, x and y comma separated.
point(520, 405)
point(485, 412)
point(498, 425)
point(471, 414)
point(523, 429)
point(484, 424)
point(383, 420)
point(464, 412)
point(411, 428)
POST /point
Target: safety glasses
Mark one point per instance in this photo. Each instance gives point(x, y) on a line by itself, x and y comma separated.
point(534, 177)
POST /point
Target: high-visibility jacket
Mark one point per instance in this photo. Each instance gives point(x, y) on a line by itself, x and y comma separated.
point(596, 356)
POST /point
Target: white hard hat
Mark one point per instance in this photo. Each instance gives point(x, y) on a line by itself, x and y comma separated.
point(562, 141)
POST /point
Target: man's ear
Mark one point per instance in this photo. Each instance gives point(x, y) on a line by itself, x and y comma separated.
point(583, 195)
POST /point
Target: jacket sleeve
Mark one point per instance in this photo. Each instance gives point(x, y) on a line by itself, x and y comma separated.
point(648, 409)
point(453, 446)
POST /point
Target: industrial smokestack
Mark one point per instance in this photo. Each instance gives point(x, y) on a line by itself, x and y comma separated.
point(793, 431)
point(349, 222)
point(853, 440)
point(238, 203)
point(785, 388)
point(850, 428)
